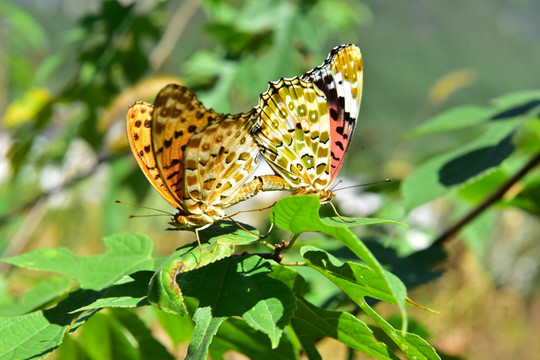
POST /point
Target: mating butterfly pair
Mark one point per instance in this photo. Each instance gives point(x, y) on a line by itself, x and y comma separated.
point(200, 161)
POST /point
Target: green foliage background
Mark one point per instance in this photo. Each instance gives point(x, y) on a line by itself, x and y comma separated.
point(450, 112)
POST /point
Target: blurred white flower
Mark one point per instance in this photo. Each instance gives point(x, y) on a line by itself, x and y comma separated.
point(417, 239)
point(79, 158)
point(425, 216)
point(355, 202)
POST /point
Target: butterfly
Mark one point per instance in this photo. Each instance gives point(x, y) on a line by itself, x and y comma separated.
point(306, 123)
point(198, 160)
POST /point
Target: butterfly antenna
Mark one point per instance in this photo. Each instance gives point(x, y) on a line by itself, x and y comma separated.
point(143, 207)
point(335, 185)
point(366, 184)
point(148, 215)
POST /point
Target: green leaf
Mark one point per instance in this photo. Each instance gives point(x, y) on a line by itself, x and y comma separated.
point(311, 323)
point(128, 292)
point(289, 277)
point(40, 332)
point(179, 328)
point(443, 172)
point(125, 254)
point(217, 242)
point(103, 337)
point(299, 214)
point(29, 336)
point(148, 346)
point(241, 287)
point(411, 344)
point(234, 334)
point(453, 119)
point(355, 280)
point(163, 291)
point(27, 28)
point(528, 199)
point(477, 189)
point(206, 327)
point(518, 100)
point(38, 296)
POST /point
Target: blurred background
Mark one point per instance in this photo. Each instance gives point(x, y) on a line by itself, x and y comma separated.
point(70, 69)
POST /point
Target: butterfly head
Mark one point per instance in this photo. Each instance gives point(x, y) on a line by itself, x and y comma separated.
point(186, 221)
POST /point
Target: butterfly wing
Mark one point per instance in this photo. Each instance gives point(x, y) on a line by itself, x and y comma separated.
point(219, 161)
point(294, 133)
point(138, 126)
point(340, 79)
point(177, 116)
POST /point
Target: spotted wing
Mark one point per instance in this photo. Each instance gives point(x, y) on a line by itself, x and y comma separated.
point(219, 160)
point(138, 126)
point(340, 79)
point(294, 133)
point(177, 116)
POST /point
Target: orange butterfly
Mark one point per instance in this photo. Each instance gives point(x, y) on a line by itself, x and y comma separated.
point(197, 159)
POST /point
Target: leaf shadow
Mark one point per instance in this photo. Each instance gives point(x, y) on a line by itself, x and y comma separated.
point(466, 166)
point(67, 311)
point(516, 110)
point(233, 286)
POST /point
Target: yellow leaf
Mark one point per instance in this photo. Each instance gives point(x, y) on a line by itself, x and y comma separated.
point(449, 84)
point(26, 108)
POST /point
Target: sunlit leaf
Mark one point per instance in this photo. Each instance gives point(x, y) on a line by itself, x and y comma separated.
point(206, 326)
point(411, 344)
point(311, 323)
point(356, 280)
point(453, 119)
point(243, 289)
point(443, 172)
point(299, 214)
point(218, 242)
point(38, 296)
point(125, 254)
point(26, 336)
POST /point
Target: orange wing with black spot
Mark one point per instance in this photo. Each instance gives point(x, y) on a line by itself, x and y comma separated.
point(139, 129)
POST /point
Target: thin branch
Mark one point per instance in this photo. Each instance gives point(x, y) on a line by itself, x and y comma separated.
point(23, 234)
point(44, 195)
point(490, 200)
point(173, 32)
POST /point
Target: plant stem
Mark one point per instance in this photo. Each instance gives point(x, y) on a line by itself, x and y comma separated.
point(490, 200)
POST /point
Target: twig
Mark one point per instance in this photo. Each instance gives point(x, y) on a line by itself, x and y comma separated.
point(31, 203)
point(173, 32)
point(23, 234)
point(276, 255)
point(495, 196)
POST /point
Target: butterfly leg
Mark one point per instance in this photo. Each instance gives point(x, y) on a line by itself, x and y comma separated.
point(199, 242)
point(252, 210)
point(337, 214)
